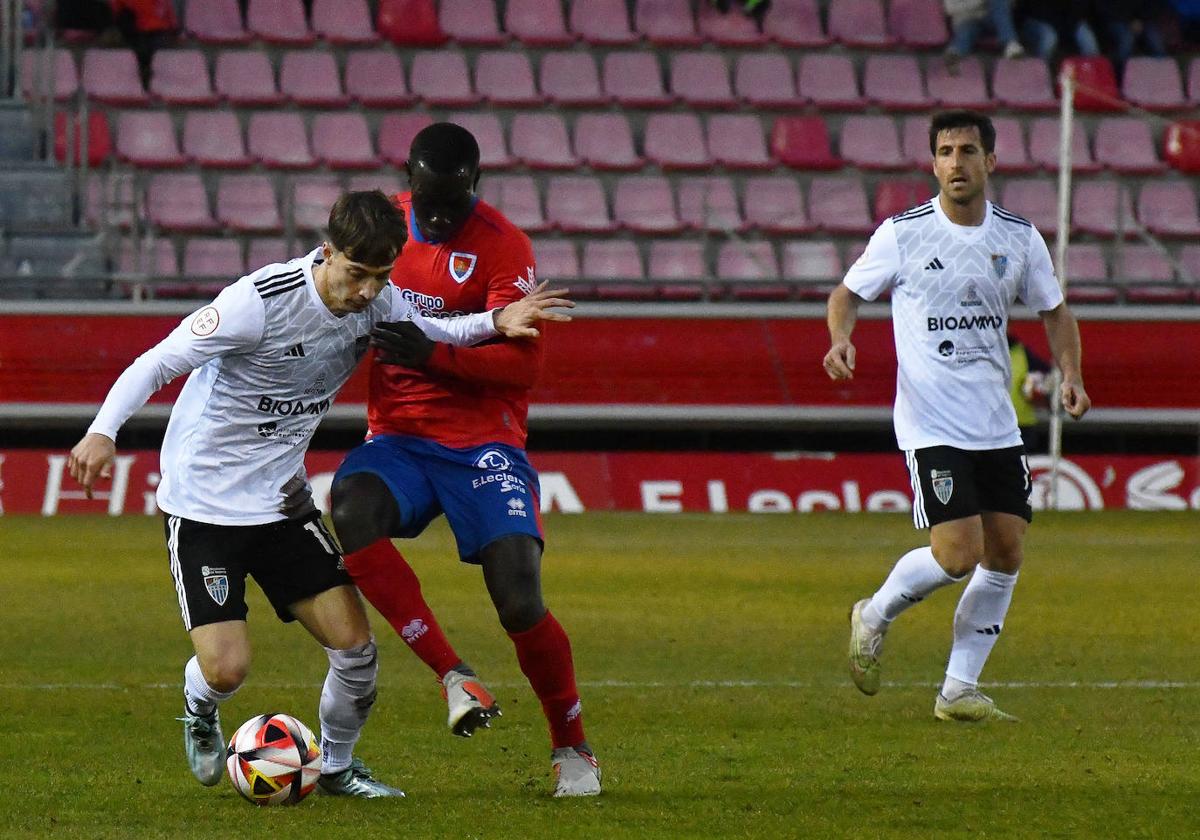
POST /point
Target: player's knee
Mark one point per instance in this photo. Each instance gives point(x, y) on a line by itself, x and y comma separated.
point(357, 514)
point(521, 613)
point(958, 558)
point(225, 673)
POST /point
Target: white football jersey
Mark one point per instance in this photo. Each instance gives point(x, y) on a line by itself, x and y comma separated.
point(268, 359)
point(952, 287)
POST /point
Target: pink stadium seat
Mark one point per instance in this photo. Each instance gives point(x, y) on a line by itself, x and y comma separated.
point(965, 89)
point(313, 197)
point(1087, 271)
point(207, 257)
point(1094, 209)
point(774, 204)
point(634, 80)
point(838, 204)
point(279, 141)
point(894, 82)
point(765, 80)
point(667, 23)
point(505, 78)
point(570, 78)
point(710, 204)
point(557, 259)
point(803, 143)
point(701, 80)
point(871, 143)
point(375, 79)
point(751, 270)
point(896, 196)
point(493, 148)
point(396, 133)
point(1125, 145)
point(214, 138)
point(736, 141)
point(1181, 145)
point(795, 23)
point(279, 22)
point(247, 203)
point(812, 261)
point(1012, 156)
point(516, 196)
point(605, 141)
point(576, 204)
point(540, 141)
point(918, 23)
point(147, 139)
point(675, 259)
point(215, 22)
point(410, 23)
point(612, 259)
point(1168, 208)
point(245, 77)
point(343, 141)
point(859, 23)
point(645, 204)
point(386, 182)
point(343, 22)
point(178, 202)
point(1189, 258)
point(829, 81)
point(1036, 199)
point(1193, 82)
point(111, 198)
point(1044, 141)
point(111, 77)
point(470, 22)
point(37, 68)
point(152, 256)
point(602, 22)
point(1095, 83)
point(1153, 83)
point(180, 77)
point(537, 23)
point(1142, 264)
point(676, 141)
point(440, 78)
point(914, 142)
point(1023, 84)
point(728, 30)
point(310, 79)
point(268, 250)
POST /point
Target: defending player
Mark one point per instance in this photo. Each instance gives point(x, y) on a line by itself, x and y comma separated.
point(269, 355)
point(955, 265)
point(447, 436)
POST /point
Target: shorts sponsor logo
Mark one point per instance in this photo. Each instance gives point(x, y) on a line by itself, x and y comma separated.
point(494, 460)
point(943, 485)
point(508, 482)
point(516, 507)
point(289, 408)
point(414, 630)
point(216, 581)
point(206, 321)
point(575, 711)
point(462, 265)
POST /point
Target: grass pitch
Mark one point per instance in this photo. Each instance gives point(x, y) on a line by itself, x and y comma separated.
point(710, 652)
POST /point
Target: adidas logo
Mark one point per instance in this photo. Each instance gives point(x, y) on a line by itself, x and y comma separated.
point(994, 630)
point(936, 265)
point(295, 352)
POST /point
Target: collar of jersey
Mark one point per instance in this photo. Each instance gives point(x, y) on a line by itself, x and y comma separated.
point(968, 233)
point(306, 265)
point(415, 232)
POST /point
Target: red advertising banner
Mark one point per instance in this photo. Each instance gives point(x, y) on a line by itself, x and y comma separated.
point(36, 481)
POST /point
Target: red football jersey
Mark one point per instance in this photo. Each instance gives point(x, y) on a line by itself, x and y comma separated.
point(464, 396)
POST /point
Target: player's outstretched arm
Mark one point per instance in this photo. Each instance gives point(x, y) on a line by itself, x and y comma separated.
point(841, 315)
point(518, 318)
point(92, 458)
point(1062, 331)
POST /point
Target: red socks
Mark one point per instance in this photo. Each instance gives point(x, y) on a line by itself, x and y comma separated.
point(389, 583)
point(545, 656)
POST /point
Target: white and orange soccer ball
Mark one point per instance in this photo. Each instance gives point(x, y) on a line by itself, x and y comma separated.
point(273, 759)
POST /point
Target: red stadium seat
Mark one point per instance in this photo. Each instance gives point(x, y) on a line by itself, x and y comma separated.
point(773, 204)
point(151, 256)
point(1153, 83)
point(765, 80)
point(180, 77)
point(111, 77)
point(178, 202)
point(37, 68)
point(1124, 144)
point(605, 141)
point(269, 250)
point(540, 141)
point(728, 30)
point(1023, 84)
point(576, 204)
point(557, 259)
point(493, 148)
point(1148, 276)
point(410, 23)
point(676, 141)
point(871, 143)
point(1181, 145)
point(675, 259)
point(914, 142)
point(279, 22)
point(310, 79)
point(1095, 83)
point(701, 80)
point(343, 141)
point(612, 259)
point(506, 78)
point(245, 77)
point(803, 143)
point(751, 270)
point(736, 141)
point(838, 204)
point(795, 23)
point(343, 22)
point(1193, 82)
point(214, 138)
point(1168, 208)
point(279, 141)
point(207, 257)
point(247, 203)
point(215, 22)
point(896, 196)
point(1087, 273)
point(441, 78)
point(602, 22)
point(667, 23)
point(829, 81)
point(313, 197)
point(537, 23)
point(812, 261)
point(1012, 155)
point(634, 80)
point(516, 196)
point(1094, 209)
point(1036, 199)
point(470, 22)
point(375, 79)
point(396, 133)
point(1189, 259)
point(918, 23)
point(645, 204)
point(110, 199)
point(965, 89)
point(570, 78)
point(859, 23)
point(147, 139)
point(99, 138)
point(710, 204)
point(1044, 141)
point(894, 82)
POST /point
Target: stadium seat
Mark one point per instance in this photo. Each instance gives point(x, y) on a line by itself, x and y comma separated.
point(557, 259)
point(410, 23)
point(1087, 275)
point(710, 204)
point(147, 139)
point(215, 22)
point(1148, 275)
point(516, 196)
point(645, 204)
point(894, 82)
point(1181, 145)
point(859, 23)
point(493, 148)
point(914, 142)
point(1125, 145)
point(245, 77)
point(829, 81)
point(539, 140)
point(811, 260)
point(269, 250)
point(310, 79)
point(375, 79)
point(966, 88)
point(1189, 268)
point(576, 204)
point(727, 30)
point(1168, 208)
point(895, 196)
point(1044, 142)
point(111, 199)
point(838, 204)
point(1095, 83)
point(396, 133)
point(152, 256)
point(471, 23)
point(571, 78)
point(1012, 155)
point(99, 138)
point(1153, 83)
point(803, 143)
point(37, 67)
point(247, 203)
point(917, 23)
point(180, 77)
point(505, 78)
point(1094, 209)
point(701, 80)
point(1193, 82)
point(313, 197)
point(736, 141)
point(279, 140)
point(214, 138)
point(667, 23)
point(602, 22)
point(773, 204)
point(605, 142)
point(343, 141)
point(676, 141)
point(441, 78)
point(386, 182)
point(1023, 84)
point(111, 77)
point(1036, 199)
point(612, 259)
point(751, 270)
point(279, 22)
point(634, 80)
point(178, 202)
point(208, 257)
point(343, 22)
point(795, 23)
point(677, 259)
point(871, 143)
point(537, 23)
point(765, 80)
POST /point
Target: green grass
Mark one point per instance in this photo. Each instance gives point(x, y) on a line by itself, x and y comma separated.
point(666, 614)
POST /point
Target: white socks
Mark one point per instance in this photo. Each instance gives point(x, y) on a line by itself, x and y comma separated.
point(914, 576)
point(201, 698)
point(977, 624)
point(346, 699)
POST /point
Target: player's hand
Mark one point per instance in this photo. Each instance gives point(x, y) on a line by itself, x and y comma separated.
point(92, 458)
point(839, 361)
point(401, 343)
point(1075, 400)
point(517, 319)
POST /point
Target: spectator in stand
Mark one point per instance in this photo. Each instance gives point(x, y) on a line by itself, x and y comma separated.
point(146, 26)
point(969, 19)
point(1047, 25)
point(1131, 24)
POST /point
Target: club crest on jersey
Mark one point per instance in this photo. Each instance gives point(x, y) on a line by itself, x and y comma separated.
point(217, 584)
point(1000, 264)
point(943, 485)
point(462, 265)
point(493, 459)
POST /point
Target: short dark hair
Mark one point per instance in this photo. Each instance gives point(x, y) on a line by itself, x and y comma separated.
point(367, 227)
point(445, 148)
point(962, 118)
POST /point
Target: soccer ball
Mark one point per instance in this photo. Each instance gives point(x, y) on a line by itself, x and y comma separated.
point(273, 759)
